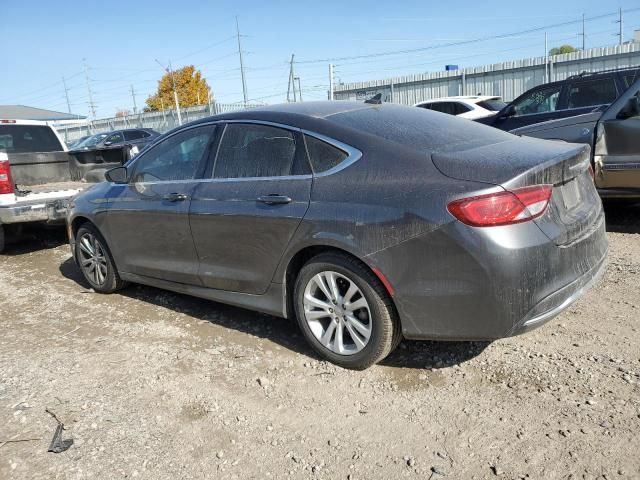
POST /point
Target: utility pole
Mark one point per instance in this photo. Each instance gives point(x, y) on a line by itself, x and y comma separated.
point(133, 96)
point(299, 88)
point(175, 91)
point(331, 81)
point(621, 32)
point(292, 82)
point(244, 82)
point(546, 59)
point(66, 94)
point(92, 105)
point(584, 37)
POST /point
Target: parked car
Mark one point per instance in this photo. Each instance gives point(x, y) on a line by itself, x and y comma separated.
point(366, 223)
point(471, 107)
point(614, 137)
point(37, 175)
point(71, 145)
point(139, 137)
point(576, 95)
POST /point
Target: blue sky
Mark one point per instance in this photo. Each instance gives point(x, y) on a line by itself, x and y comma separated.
point(121, 39)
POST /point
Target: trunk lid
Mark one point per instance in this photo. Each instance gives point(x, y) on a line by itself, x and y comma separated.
point(574, 207)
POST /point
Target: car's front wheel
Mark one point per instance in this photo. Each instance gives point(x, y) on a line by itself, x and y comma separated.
point(344, 311)
point(95, 261)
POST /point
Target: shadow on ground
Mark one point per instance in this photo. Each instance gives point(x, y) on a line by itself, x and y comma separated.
point(281, 331)
point(622, 217)
point(34, 238)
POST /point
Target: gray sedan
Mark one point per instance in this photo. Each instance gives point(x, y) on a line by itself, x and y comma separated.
point(365, 223)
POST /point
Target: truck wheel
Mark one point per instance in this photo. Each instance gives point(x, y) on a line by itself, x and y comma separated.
point(94, 259)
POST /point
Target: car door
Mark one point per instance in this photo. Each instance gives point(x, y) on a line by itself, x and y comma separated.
point(617, 146)
point(147, 226)
point(243, 217)
point(537, 105)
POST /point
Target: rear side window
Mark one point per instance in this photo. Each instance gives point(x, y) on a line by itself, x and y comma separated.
point(593, 92)
point(323, 156)
point(134, 134)
point(28, 138)
point(459, 108)
point(492, 104)
point(251, 150)
point(630, 78)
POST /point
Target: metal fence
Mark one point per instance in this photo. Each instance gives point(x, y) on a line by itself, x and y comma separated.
point(507, 79)
point(160, 121)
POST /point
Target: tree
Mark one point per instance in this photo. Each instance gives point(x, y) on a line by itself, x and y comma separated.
point(192, 90)
point(123, 112)
point(562, 49)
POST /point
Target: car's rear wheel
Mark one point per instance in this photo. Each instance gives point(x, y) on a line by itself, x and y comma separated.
point(95, 261)
point(344, 311)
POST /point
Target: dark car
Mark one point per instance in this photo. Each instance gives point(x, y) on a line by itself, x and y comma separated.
point(366, 223)
point(566, 98)
point(614, 137)
point(139, 137)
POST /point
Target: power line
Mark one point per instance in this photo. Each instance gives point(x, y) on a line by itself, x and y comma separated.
point(464, 42)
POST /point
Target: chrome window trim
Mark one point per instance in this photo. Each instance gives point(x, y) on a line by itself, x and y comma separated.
point(155, 145)
point(353, 154)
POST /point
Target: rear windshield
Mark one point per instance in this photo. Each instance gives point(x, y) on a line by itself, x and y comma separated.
point(28, 138)
point(421, 129)
point(492, 104)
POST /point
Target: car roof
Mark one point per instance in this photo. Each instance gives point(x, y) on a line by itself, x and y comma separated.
point(456, 98)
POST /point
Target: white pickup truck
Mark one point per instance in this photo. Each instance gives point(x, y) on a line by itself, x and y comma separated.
point(37, 175)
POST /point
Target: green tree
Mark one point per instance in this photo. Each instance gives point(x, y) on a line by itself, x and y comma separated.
point(192, 90)
point(562, 49)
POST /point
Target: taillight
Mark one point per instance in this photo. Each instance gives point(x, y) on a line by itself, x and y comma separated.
point(502, 208)
point(6, 182)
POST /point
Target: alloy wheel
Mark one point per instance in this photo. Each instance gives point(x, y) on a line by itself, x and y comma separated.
point(92, 259)
point(337, 313)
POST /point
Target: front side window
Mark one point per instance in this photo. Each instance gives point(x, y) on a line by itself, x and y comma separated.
point(459, 108)
point(323, 156)
point(539, 101)
point(176, 158)
point(592, 93)
point(252, 150)
point(115, 138)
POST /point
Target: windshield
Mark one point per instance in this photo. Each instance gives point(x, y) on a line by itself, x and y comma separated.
point(493, 104)
point(91, 141)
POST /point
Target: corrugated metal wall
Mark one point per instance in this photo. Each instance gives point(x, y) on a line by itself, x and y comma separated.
point(159, 121)
point(507, 79)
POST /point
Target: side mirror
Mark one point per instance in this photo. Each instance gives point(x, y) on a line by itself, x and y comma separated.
point(508, 111)
point(631, 108)
point(117, 175)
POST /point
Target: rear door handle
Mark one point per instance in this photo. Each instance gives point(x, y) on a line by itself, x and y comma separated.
point(274, 199)
point(175, 197)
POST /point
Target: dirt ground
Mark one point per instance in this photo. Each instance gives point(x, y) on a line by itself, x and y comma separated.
point(151, 384)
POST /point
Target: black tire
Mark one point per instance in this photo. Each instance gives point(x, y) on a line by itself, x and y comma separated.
point(385, 326)
point(112, 281)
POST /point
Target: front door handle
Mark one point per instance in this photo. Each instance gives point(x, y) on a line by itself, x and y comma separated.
point(175, 197)
point(274, 199)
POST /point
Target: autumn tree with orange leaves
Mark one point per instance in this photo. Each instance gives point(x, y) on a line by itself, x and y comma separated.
point(192, 90)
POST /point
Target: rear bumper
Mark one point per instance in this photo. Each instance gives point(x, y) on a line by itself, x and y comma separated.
point(559, 301)
point(44, 211)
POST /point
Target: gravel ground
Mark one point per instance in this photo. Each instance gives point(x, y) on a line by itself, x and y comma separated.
point(151, 384)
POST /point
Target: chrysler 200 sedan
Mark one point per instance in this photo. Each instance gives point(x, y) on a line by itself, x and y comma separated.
point(366, 223)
